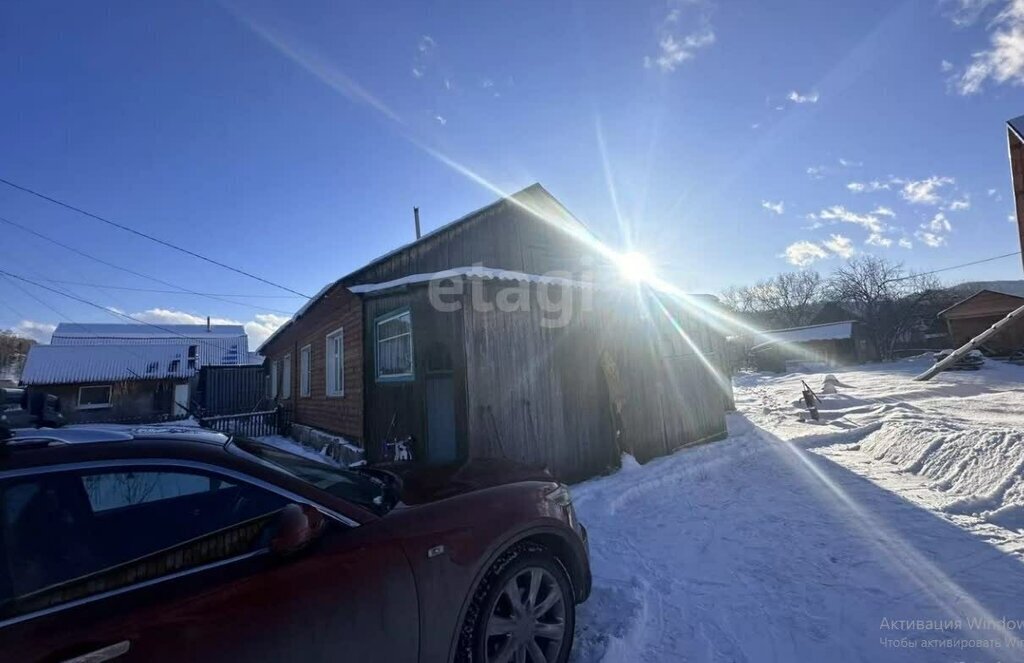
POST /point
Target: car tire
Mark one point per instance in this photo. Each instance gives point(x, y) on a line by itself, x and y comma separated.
point(524, 606)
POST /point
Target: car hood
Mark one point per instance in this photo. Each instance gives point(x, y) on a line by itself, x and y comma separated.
point(418, 483)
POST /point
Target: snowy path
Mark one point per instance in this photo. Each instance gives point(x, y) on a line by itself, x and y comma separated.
point(756, 548)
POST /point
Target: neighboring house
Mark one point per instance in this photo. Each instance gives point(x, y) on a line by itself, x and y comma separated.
point(110, 372)
point(832, 344)
point(969, 317)
point(505, 333)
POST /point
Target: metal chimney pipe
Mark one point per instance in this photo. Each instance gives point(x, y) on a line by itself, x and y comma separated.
point(416, 216)
point(207, 323)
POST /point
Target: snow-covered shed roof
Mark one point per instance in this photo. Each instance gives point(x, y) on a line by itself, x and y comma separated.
point(222, 344)
point(67, 364)
point(826, 332)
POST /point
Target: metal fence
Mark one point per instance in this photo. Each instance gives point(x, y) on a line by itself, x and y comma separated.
point(251, 424)
point(230, 390)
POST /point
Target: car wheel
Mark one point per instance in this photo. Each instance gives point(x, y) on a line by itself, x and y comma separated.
point(523, 611)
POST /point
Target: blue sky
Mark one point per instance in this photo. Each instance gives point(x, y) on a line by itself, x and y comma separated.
point(728, 141)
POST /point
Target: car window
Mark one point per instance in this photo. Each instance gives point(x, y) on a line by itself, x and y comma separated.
point(119, 489)
point(70, 535)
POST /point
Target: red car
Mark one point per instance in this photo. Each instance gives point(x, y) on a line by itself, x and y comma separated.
point(164, 543)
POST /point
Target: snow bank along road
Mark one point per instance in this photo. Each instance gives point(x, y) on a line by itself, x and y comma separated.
point(891, 532)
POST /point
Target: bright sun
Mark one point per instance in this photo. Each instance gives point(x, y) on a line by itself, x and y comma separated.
point(635, 266)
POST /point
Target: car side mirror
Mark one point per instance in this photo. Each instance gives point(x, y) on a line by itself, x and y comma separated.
point(298, 525)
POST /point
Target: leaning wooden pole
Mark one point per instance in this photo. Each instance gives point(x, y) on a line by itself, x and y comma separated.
point(970, 345)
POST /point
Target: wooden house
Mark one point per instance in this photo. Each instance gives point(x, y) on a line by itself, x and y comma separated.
point(509, 333)
point(973, 315)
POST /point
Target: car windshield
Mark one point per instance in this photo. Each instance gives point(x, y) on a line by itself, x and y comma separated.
point(361, 489)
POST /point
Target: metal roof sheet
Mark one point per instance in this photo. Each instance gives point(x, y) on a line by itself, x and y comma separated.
point(826, 332)
point(68, 364)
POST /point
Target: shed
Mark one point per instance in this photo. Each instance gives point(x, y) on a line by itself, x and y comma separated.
point(969, 317)
point(831, 344)
point(112, 382)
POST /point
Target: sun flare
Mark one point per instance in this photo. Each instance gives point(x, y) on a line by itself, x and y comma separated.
point(635, 266)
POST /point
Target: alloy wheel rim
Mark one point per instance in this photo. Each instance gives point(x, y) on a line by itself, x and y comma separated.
point(527, 622)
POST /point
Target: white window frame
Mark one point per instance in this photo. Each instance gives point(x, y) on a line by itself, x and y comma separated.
point(330, 371)
point(286, 377)
point(273, 379)
point(96, 406)
point(394, 377)
point(305, 369)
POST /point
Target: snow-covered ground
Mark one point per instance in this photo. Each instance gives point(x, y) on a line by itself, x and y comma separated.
point(893, 532)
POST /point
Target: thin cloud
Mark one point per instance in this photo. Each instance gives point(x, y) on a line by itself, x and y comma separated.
point(676, 46)
point(848, 163)
point(906, 243)
point(1003, 61)
point(839, 213)
point(938, 224)
point(797, 98)
point(873, 185)
point(816, 172)
point(883, 211)
point(877, 239)
point(930, 239)
point(960, 205)
point(777, 208)
point(840, 245)
point(804, 253)
point(926, 191)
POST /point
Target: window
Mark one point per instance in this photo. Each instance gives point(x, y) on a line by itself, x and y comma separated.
point(394, 347)
point(286, 377)
point(336, 363)
point(273, 379)
point(305, 355)
point(71, 535)
point(93, 398)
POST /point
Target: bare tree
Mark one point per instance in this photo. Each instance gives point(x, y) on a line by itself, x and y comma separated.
point(888, 299)
point(786, 300)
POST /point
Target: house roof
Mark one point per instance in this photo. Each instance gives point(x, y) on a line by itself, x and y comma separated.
point(963, 301)
point(522, 197)
point(68, 364)
point(92, 330)
point(1017, 125)
point(223, 344)
point(826, 332)
point(474, 272)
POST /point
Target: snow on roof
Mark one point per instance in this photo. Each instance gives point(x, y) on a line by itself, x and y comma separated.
point(131, 330)
point(65, 364)
point(476, 271)
point(827, 332)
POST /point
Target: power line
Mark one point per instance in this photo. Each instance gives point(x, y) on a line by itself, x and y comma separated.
point(149, 237)
point(133, 272)
point(105, 286)
point(966, 264)
point(89, 303)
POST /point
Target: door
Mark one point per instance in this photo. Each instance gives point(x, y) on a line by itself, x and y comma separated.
point(441, 445)
point(161, 563)
point(181, 400)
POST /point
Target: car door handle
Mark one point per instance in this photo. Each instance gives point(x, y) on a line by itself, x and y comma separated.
point(103, 654)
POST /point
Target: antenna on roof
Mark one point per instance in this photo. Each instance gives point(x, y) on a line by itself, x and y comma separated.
point(416, 217)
